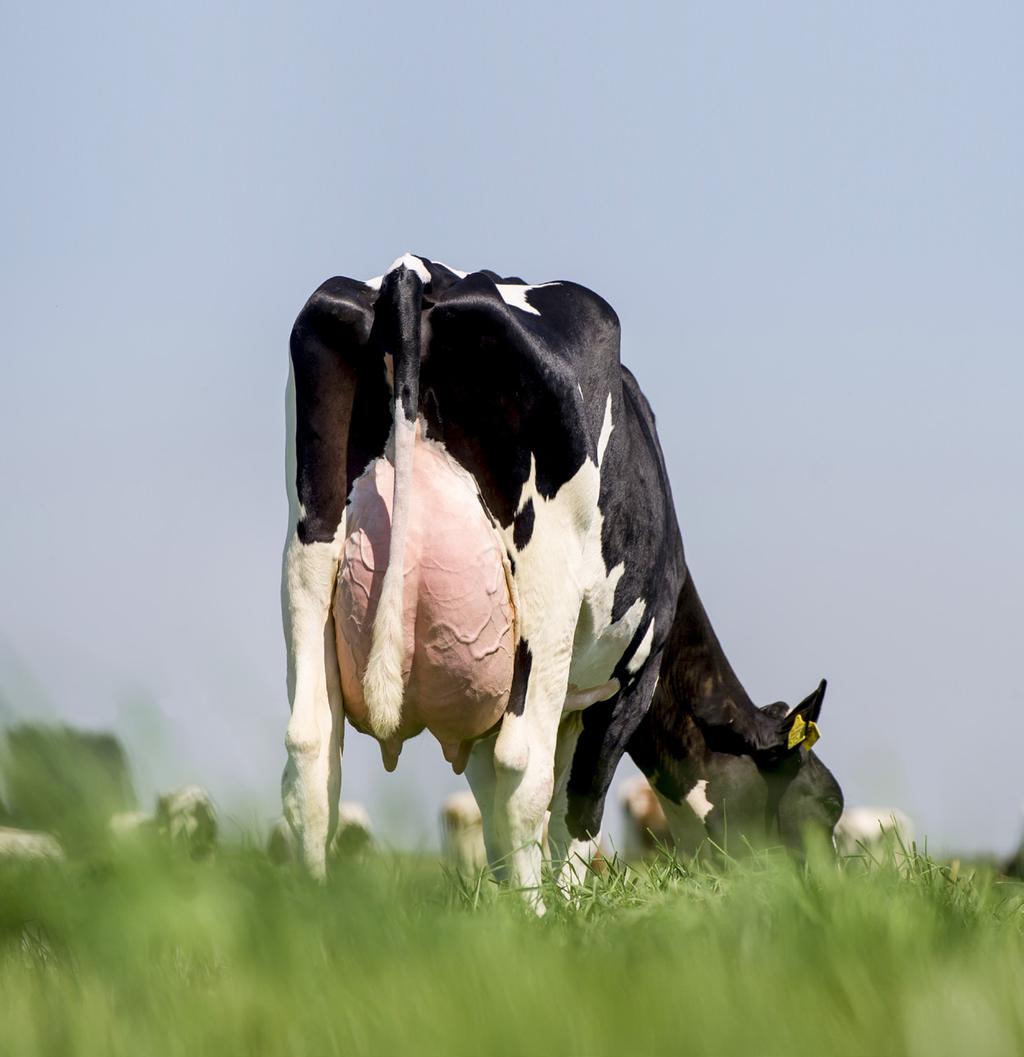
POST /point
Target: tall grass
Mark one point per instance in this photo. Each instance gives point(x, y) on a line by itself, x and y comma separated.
point(142, 953)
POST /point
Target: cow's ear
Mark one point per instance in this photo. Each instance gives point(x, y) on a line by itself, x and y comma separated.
point(776, 710)
point(801, 725)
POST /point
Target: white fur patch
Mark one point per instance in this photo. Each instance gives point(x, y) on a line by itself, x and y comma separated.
point(606, 430)
point(413, 263)
point(565, 549)
point(514, 294)
point(688, 832)
point(516, 297)
point(553, 553)
point(600, 641)
point(698, 800)
point(576, 700)
point(643, 651)
point(455, 271)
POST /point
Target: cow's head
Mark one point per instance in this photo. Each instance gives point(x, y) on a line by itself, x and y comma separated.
point(773, 789)
point(804, 800)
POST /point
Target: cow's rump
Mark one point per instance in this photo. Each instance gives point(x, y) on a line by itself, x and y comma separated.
point(458, 618)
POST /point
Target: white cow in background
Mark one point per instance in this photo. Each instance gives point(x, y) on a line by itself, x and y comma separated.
point(29, 844)
point(353, 835)
point(873, 829)
point(462, 838)
point(462, 833)
point(186, 818)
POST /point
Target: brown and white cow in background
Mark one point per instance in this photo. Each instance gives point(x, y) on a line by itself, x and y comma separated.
point(644, 825)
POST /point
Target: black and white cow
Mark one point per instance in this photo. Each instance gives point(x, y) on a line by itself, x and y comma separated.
point(482, 543)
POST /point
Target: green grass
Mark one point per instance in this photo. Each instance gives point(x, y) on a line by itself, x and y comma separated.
point(151, 955)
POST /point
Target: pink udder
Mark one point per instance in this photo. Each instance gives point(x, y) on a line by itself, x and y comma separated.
point(458, 616)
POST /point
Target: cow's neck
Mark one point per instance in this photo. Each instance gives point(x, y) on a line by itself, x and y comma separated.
point(697, 679)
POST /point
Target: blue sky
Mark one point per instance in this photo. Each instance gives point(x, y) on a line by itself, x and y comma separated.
point(809, 218)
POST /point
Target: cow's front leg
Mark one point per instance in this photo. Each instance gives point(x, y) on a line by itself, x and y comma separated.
point(524, 766)
point(571, 855)
point(311, 784)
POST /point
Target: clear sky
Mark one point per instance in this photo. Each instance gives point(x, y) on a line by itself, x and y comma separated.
point(809, 217)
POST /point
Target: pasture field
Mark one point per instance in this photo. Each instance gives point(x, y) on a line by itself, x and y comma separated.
point(149, 954)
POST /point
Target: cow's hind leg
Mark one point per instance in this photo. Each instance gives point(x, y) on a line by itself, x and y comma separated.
point(482, 780)
point(311, 783)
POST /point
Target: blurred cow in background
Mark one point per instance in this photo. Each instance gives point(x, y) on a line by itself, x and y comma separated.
point(462, 833)
point(873, 830)
point(645, 827)
point(125, 825)
point(185, 819)
point(353, 836)
point(65, 781)
point(462, 838)
point(27, 844)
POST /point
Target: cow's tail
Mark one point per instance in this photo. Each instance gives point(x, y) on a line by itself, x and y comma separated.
point(399, 305)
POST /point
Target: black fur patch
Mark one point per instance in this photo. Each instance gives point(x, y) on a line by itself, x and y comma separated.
point(520, 679)
point(523, 529)
point(342, 417)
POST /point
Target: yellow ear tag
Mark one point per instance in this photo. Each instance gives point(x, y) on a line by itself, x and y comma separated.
point(797, 733)
point(812, 735)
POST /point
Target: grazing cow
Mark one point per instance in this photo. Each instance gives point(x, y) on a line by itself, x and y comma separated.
point(462, 833)
point(482, 543)
point(462, 837)
point(65, 781)
point(873, 830)
point(186, 817)
point(645, 826)
point(127, 825)
point(353, 835)
point(28, 844)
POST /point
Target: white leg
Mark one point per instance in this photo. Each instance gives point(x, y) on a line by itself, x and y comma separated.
point(480, 775)
point(548, 584)
point(524, 767)
point(570, 856)
point(311, 784)
point(524, 770)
